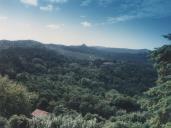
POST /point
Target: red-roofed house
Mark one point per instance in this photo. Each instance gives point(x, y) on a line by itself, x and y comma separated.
point(39, 113)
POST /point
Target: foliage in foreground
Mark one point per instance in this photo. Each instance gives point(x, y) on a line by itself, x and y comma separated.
point(159, 97)
point(14, 98)
point(70, 121)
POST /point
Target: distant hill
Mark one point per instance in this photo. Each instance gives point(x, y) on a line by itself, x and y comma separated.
point(83, 51)
point(19, 43)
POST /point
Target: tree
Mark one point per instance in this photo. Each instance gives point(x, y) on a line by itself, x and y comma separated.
point(14, 98)
point(43, 104)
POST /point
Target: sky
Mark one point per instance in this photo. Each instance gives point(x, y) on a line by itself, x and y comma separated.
point(135, 24)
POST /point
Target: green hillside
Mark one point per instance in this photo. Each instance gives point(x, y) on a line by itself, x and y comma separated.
point(114, 89)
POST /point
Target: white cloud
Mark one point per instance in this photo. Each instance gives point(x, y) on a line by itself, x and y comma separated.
point(47, 8)
point(50, 5)
point(86, 2)
point(124, 10)
point(30, 2)
point(58, 1)
point(132, 10)
point(54, 26)
point(104, 2)
point(82, 16)
point(2, 18)
point(121, 18)
point(99, 2)
point(146, 8)
point(86, 24)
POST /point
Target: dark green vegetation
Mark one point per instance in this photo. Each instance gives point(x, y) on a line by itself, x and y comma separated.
point(84, 87)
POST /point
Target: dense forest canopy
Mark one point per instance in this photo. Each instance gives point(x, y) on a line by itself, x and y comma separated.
point(84, 87)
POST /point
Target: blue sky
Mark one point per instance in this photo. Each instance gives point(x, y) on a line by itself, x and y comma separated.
point(111, 23)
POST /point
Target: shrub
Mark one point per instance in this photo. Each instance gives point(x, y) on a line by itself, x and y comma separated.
point(3, 122)
point(64, 121)
point(18, 122)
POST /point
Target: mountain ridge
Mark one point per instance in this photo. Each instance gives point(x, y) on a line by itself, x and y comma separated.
point(82, 51)
point(81, 45)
